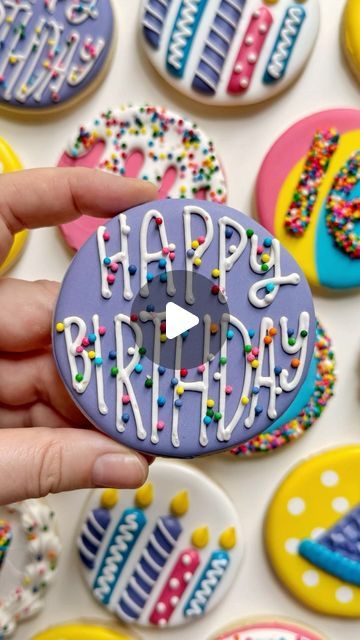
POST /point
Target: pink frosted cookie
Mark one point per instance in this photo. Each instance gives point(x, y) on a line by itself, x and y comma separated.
point(150, 143)
point(308, 194)
point(268, 629)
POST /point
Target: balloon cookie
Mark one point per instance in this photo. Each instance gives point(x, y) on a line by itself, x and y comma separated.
point(10, 162)
point(29, 553)
point(271, 628)
point(307, 194)
point(83, 631)
point(212, 387)
point(229, 52)
point(150, 143)
point(350, 35)
point(307, 407)
point(158, 556)
point(52, 51)
point(312, 532)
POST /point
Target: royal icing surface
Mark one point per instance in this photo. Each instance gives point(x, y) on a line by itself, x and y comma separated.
point(51, 50)
point(350, 34)
point(10, 162)
point(312, 532)
point(267, 337)
point(158, 556)
point(307, 407)
point(150, 143)
point(268, 629)
point(30, 549)
point(229, 51)
point(82, 631)
point(308, 192)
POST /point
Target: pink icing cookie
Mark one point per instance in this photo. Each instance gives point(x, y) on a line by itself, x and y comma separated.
point(268, 629)
point(150, 143)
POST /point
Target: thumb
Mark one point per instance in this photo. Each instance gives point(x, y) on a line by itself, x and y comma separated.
point(38, 461)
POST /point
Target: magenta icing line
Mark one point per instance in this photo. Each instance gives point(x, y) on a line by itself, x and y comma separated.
point(250, 49)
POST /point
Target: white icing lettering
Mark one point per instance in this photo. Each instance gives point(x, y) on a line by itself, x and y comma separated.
point(273, 283)
point(147, 257)
point(226, 263)
point(193, 254)
point(122, 257)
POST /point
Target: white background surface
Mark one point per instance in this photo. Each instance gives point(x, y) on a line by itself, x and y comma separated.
point(242, 137)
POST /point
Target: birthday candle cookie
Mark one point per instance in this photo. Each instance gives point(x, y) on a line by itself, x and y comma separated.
point(307, 407)
point(84, 631)
point(351, 35)
point(211, 388)
point(307, 194)
point(163, 558)
point(312, 532)
point(29, 553)
point(270, 628)
point(229, 52)
point(10, 162)
point(52, 51)
point(153, 144)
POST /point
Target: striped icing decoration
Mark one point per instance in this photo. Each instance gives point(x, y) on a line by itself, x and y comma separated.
point(92, 534)
point(149, 567)
point(284, 44)
point(207, 583)
point(184, 31)
point(217, 45)
point(122, 542)
point(175, 586)
point(250, 49)
point(155, 14)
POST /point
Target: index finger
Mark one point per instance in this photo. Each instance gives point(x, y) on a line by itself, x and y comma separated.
point(47, 197)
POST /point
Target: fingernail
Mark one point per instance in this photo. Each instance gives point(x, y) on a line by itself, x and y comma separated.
point(119, 470)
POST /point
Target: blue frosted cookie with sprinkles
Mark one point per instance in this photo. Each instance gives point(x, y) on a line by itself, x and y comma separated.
point(229, 52)
point(158, 556)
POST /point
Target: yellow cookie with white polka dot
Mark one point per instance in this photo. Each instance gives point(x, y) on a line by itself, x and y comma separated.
point(10, 162)
point(312, 532)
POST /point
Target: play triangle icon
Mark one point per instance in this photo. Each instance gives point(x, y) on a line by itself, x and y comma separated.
point(178, 320)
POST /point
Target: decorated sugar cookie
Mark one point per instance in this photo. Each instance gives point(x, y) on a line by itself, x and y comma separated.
point(10, 162)
point(229, 52)
point(307, 194)
point(211, 388)
point(350, 35)
point(271, 628)
point(150, 143)
point(52, 51)
point(307, 407)
point(29, 552)
point(83, 631)
point(158, 556)
point(312, 532)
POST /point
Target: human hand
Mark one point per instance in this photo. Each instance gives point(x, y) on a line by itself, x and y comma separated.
point(61, 451)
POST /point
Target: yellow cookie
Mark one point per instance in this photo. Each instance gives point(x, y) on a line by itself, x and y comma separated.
point(10, 162)
point(82, 631)
point(312, 532)
point(351, 34)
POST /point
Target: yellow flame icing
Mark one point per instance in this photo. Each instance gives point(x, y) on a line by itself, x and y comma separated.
point(145, 495)
point(200, 537)
point(109, 498)
point(180, 503)
point(227, 539)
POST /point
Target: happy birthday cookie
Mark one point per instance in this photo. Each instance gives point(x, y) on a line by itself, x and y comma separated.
point(29, 553)
point(83, 631)
point(52, 51)
point(158, 555)
point(228, 378)
point(10, 162)
point(271, 628)
point(307, 194)
point(312, 532)
point(307, 407)
point(350, 35)
point(229, 52)
point(150, 143)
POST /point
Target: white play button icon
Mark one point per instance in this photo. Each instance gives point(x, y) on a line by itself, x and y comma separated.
point(178, 320)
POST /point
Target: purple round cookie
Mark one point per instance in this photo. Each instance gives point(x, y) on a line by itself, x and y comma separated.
point(154, 393)
point(52, 50)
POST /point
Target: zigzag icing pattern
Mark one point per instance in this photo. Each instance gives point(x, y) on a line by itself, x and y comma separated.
point(120, 546)
point(288, 34)
point(182, 36)
point(207, 584)
point(155, 14)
